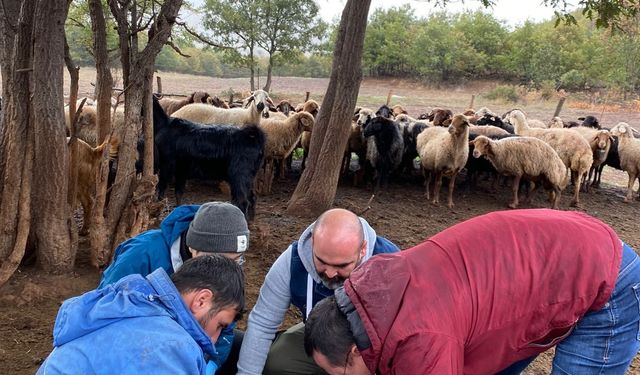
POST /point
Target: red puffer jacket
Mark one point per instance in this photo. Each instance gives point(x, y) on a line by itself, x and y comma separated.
point(485, 293)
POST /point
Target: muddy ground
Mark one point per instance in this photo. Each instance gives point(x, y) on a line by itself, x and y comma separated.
point(30, 301)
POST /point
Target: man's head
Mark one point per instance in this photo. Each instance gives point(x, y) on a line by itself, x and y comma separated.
point(219, 227)
point(328, 339)
point(339, 245)
point(212, 287)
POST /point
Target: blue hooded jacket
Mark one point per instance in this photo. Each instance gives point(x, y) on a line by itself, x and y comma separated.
point(136, 326)
point(151, 250)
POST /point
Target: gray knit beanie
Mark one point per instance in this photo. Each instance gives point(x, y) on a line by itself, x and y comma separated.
point(218, 227)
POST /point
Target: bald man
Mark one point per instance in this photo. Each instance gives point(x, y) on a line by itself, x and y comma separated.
point(308, 271)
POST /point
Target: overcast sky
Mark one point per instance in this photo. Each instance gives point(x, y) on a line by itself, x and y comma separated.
point(512, 12)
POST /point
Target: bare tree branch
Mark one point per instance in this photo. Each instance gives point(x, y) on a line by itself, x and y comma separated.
point(200, 37)
point(175, 48)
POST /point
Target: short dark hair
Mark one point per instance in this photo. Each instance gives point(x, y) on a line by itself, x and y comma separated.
point(217, 273)
point(328, 332)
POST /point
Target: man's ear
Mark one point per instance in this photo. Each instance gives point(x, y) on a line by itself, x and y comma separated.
point(363, 250)
point(201, 301)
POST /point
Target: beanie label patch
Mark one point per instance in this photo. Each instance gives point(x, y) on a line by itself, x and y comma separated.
point(242, 243)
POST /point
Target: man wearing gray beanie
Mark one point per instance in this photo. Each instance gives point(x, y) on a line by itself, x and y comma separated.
point(188, 231)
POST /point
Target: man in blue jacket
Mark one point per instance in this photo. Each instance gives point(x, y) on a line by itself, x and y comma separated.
point(188, 231)
point(152, 325)
point(307, 272)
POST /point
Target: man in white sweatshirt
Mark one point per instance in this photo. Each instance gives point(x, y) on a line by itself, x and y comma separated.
point(307, 272)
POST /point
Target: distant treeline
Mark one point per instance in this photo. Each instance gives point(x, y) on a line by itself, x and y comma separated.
point(453, 48)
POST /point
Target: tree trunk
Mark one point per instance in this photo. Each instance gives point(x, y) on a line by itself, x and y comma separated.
point(126, 208)
point(51, 217)
point(74, 78)
point(104, 83)
point(252, 70)
point(319, 181)
point(17, 144)
point(267, 85)
point(104, 80)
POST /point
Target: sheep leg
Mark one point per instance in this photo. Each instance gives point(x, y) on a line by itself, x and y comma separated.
point(575, 180)
point(427, 182)
point(452, 184)
point(163, 179)
point(555, 195)
point(632, 180)
point(515, 188)
point(181, 181)
point(436, 189)
point(241, 195)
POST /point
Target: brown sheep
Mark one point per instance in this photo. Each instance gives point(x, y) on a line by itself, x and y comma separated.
point(438, 116)
point(310, 106)
point(398, 110)
point(444, 152)
point(285, 107)
point(171, 105)
point(524, 157)
point(217, 102)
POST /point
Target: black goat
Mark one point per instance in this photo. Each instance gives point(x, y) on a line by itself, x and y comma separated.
point(385, 111)
point(590, 122)
point(410, 136)
point(188, 150)
point(387, 153)
point(495, 121)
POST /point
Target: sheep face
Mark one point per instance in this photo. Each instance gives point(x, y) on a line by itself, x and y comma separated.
point(399, 110)
point(590, 122)
point(481, 146)
point(305, 121)
point(364, 117)
point(372, 127)
point(200, 97)
point(311, 106)
point(622, 130)
point(459, 124)
point(602, 138)
point(261, 99)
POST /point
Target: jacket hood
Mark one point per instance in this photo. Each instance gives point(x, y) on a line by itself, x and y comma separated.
point(305, 248)
point(177, 222)
point(391, 290)
point(131, 297)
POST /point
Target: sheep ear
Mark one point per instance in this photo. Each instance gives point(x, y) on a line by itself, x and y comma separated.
point(580, 118)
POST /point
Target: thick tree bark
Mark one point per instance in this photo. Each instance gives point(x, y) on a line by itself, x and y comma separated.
point(122, 213)
point(104, 83)
point(50, 211)
point(319, 181)
point(267, 85)
point(104, 80)
point(16, 145)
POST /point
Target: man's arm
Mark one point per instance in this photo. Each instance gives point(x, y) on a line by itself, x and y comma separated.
point(266, 317)
point(426, 353)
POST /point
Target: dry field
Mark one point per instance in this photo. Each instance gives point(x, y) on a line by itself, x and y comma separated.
point(28, 304)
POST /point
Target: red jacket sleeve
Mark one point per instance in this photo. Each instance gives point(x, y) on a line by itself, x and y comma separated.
point(427, 353)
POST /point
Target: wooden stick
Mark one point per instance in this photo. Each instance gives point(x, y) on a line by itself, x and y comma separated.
point(473, 99)
point(159, 82)
point(559, 106)
point(306, 97)
point(389, 97)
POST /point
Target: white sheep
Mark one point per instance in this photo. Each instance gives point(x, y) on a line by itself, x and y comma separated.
point(444, 151)
point(524, 157)
point(572, 148)
point(207, 114)
point(629, 150)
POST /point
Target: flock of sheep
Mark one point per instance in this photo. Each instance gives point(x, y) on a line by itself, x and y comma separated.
point(243, 143)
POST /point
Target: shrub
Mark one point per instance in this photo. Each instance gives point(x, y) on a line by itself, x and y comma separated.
point(573, 80)
point(547, 90)
point(507, 93)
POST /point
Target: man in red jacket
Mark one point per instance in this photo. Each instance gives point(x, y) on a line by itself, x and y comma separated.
point(486, 296)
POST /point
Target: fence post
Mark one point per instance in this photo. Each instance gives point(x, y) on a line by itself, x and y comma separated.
point(159, 81)
point(473, 99)
point(306, 97)
point(389, 97)
point(559, 106)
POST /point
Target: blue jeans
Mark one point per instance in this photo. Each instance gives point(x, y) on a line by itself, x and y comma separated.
point(603, 341)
